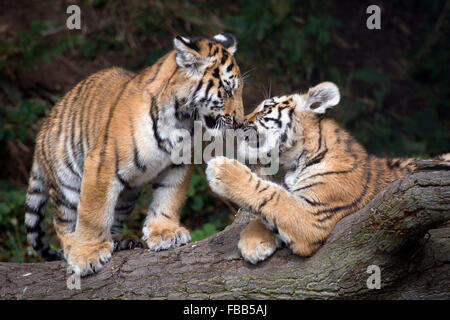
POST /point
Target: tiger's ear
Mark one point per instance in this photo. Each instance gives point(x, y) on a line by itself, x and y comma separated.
point(322, 97)
point(227, 40)
point(188, 56)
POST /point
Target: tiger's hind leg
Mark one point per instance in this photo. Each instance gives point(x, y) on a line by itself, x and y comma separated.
point(257, 243)
point(65, 202)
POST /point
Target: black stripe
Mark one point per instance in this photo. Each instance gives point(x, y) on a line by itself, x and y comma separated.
point(264, 203)
point(68, 164)
point(35, 176)
point(308, 186)
point(64, 203)
point(165, 215)
point(330, 212)
point(36, 191)
point(87, 102)
point(318, 226)
point(191, 44)
point(210, 47)
point(311, 202)
point(215, 51)
point(320, 135)
point(71, 188)
point(393, 163)
point(337, 134)
point(108, 123)
point(158, 68)
point(158, 185)
point(261, 123)
point(36, 211)
point(122, 181)
point(277, 121)
point(332, 172)
point(89, 96)
point(154, 116)
point(257, 184)
point(216, 73)
point(263, 189)
point(230, 67)
point(199, 86)
point(208, 87)
point(61, 118)
point(136, 160)
point(118, 175)
point(316, 158)
point(63, 220)
point(224, 57)
point(73, 144)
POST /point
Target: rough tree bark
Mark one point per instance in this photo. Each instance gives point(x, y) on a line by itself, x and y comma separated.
point(404, 231)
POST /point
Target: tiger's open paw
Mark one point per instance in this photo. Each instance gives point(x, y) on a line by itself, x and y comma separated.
point(225, 175)
point(163, 235)
point(256, 250)
point(88, 259)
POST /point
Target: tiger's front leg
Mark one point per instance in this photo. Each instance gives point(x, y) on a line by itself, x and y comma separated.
point(280, 211)
point(92, 244)
point(162, 228)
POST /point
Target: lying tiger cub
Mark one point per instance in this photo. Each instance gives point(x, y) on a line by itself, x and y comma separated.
point(327, 174)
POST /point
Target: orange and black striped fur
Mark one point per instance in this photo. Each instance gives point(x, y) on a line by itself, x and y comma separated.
point(326, 174)
point(113, 133)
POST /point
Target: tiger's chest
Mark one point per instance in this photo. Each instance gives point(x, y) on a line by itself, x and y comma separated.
point(155, 144)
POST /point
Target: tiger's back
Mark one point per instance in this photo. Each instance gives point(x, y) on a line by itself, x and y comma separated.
point(74, 123)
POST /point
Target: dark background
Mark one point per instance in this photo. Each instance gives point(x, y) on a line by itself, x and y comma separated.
point(394, 81)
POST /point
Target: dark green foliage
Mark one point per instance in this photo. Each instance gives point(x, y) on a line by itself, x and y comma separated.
point(284, 38)
point(30, 47)
point(16, 123)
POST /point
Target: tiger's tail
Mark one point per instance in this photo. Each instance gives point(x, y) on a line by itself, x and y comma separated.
point(36, 199)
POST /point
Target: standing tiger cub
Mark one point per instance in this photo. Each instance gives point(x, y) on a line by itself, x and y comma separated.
point(326, 174)
point(113, 133)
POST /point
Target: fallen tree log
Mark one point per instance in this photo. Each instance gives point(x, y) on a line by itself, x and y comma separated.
point(403, 231)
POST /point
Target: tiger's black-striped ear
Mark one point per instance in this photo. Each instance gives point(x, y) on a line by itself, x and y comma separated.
point(322, 97)
point(227, 40)
point(188, 56)
point(185, 44)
